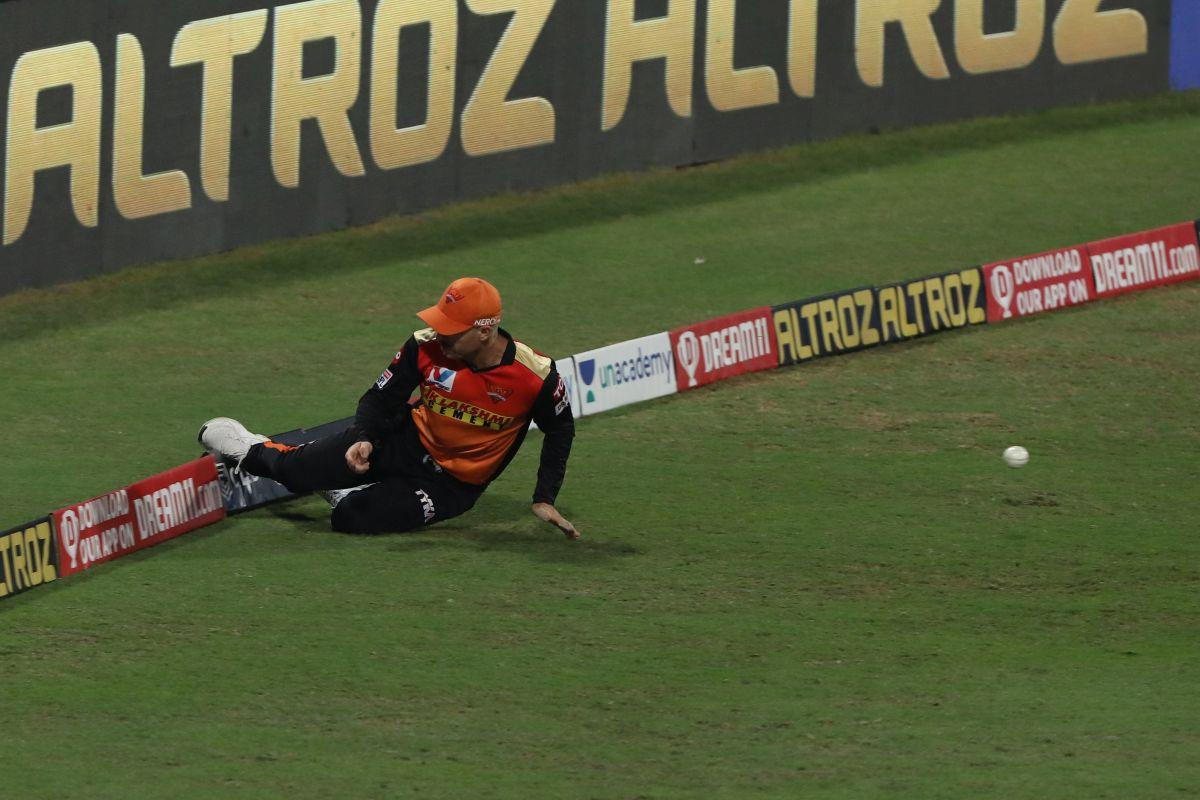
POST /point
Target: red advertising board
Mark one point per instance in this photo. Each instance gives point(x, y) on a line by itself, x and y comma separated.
point(1142, 260)
point(138, 516)
point(1033, 284)
point(723, 347)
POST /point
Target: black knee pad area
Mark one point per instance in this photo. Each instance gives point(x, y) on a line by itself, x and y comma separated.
point(356, 513)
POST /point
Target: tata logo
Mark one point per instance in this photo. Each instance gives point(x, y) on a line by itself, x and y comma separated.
point(442, 378)
point(587, 374)
point(453, 296)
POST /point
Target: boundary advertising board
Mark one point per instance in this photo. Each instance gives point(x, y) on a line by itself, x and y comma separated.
point(826, 325)
point(137, 130)
point(28, 557)
point(1143, 260)
point(843, 322)
point(140, 515)
point(624, 373)
point(1042, 282)
point(723, 347)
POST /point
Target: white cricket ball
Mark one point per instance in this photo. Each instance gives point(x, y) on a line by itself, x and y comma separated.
point(1016, 456)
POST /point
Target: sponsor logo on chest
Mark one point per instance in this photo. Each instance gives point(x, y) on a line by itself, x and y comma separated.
point(442, 378)
point(462, 411)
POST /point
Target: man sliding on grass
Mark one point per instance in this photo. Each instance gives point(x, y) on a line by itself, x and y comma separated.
point(404, 465)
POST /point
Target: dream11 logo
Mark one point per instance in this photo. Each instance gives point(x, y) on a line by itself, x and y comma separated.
point(1003, 288)
point(68, 531)
point(688, 352)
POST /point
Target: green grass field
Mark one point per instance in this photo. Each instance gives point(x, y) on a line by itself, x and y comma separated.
point(817, 582)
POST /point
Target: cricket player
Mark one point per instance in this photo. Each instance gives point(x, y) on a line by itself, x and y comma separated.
point(409, 462)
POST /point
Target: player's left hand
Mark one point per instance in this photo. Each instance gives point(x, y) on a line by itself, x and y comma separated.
point(548, 513)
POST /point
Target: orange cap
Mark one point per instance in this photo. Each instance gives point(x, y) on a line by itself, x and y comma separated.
point(466, 303)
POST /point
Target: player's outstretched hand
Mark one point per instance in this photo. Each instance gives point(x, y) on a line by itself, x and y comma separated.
point(548, 513)
point(358, 457)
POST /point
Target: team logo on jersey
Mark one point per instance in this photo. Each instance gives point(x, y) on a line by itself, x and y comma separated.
point(442, 378)
point(383, 379)
point(498, 393)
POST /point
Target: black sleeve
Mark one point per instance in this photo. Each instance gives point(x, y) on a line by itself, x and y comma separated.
point(378, 407)
point(553, 415)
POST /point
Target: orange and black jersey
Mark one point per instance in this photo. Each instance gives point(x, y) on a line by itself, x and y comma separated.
point(472, 422)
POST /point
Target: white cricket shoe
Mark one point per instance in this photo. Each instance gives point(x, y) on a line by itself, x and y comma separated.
point(227, 439)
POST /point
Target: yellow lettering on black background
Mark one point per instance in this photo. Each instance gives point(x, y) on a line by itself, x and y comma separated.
point(33, 557)
point(865, 300)
point(914, 291)
point(935, 301)
point(325, 98)
point(802, 47)
point(627, 41)
point(490, 123)
point(914, 18)
point(848, 321)
point(787, 337)
point(831, 336)
point(215, 43)
point(393, 147)
point(74, 144)
point(136, 194)
point(972, 279)
point(6, 585)
point(808, 313)
point(1084, 33)
point(939, 303)
point(26, 559)
point(20, 570)
point(46, 535)
point(980, 52)
point(730, 89)
point(893, 314)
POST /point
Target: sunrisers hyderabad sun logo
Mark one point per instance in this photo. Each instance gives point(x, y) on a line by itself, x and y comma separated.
point(498, 393)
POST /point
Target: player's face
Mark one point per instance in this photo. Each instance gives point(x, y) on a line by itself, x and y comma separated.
point(460, 345)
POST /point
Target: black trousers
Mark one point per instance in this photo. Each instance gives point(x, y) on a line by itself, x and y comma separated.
point(409, 489)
